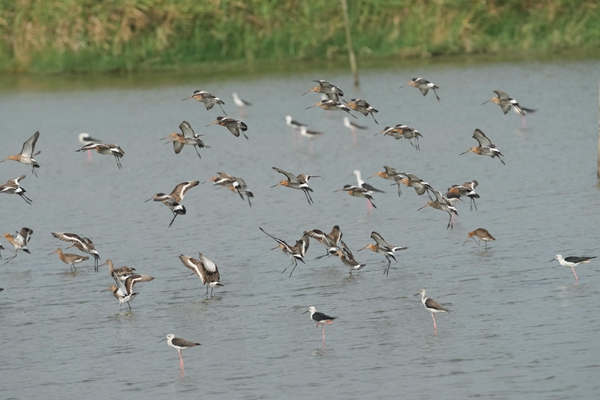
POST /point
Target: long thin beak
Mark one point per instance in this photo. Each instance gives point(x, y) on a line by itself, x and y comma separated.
point(162, 340)
point(214, 122)
point(311, 106)
point(106, 262)
point(305, 93)
point(362, 248)
point(465, 152)
point(401, 86)
point(423, 207)
point(338, 190)
point(552, 259)
point(276, 185)
point(186, 98)
point(305, 312)
point(274, 248)
point(73, 245)
point(149, 199)
point(108, 288)
point(466, 241)
point(53, 252)
point(417, 294)
point(486, 102)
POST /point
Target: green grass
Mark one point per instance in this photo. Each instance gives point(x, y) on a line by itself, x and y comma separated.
point(125, 35)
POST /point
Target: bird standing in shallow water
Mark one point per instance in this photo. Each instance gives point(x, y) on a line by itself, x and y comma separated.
point(123, 291)
point(320, 319)
point(572, 262)
point(204, 269)
point(179, 344)
point(27, 153)
point(423, 85)
point(433, 306)
point(482, 234)
point(82, 243)
point(85, 139)
point(70, 259)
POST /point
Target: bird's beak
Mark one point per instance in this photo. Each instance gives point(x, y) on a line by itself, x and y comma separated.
point(552, 259)
point(108, 288)
point(486, 102)
point(53, 252)
point(311, 106)
point(186, 98)
point(464, 152)
point(149, 199)
point(164, 338)
point(417, 294)
point(401, 86)
point(466, 241)
point(423, 207)
point(362, 248)
point(276, 185)
point(214, 122)
point(106, 262)
point(305, 312)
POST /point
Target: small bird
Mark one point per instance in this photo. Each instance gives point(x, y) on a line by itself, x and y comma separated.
point(383, 248)
point(187, 136)
point(353, 126)
point(238, 185)
point(455, 192)
point(106, 149)
point(208, 99)
point(332, 105)
point(320, 319)
point(119, 273)
point(348, 259)
point(572, 262)
point(241, 103)
point(423, 85)
point(421, 187)
point(123, 291)
point(356, 191)
point(332, 241)
point(331, 91)
point(433, 306)
point(205, 269)
point(233, 125)
point(82, 243)
point(179, 344)
point(299, 182)
point(221, 179)
point(19, 241)
point(440, 203)
point(27, 153)
point(295, 253)
point(505, 102)
point(13, 187)
point(85, 139)
point(485, 148)
point(173, 200)
point(70, 259)
point(363, 107)
point(400, 131)
point(482, 234)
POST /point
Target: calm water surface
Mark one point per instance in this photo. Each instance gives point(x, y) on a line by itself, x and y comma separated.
point(521, 327)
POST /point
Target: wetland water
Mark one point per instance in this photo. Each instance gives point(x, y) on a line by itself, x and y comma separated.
point(521, 327)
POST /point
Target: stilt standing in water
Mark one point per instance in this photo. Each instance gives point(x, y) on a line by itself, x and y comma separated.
point(320, 319)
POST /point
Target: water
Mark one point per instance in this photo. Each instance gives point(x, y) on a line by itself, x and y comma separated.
point(521, 327)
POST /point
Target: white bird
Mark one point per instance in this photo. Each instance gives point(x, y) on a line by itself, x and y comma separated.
point(433, 306)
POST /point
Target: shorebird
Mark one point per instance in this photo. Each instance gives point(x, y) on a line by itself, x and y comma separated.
point(187, 136)
point(421, 187)
point(238, 185)
point(208, 99)
point(332, 105)
point(320, 319)
point(353, 127)
point(106, 149)
point(348, 259)
point(331, 91)
point(295, 253)
point(173, 200)
point(332, 241)
point(27, 153)
point(506, 102)
point(179, 344)
point(82, 243)
point(13, 187)
point(391, 174)
point(123, 291)
point(119, 273)
point(295, 125)
point(240, 102)
point(455, 192)
point(205, 269)
point(361, 184)
point(85, 139)
point(485, 148)
point(233, 125)
point(482, 234)
point(424, 85)
point(433, 306)
point(70, 259)
point(221, 179)
point(572, 262)
point(361, 106)
point(440, 203)
point(356, 191)
point(383, 248)
point(19, 241)
point(299, 182)
point(400, 131)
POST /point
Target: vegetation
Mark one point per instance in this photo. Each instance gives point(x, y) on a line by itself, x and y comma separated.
point(115, 35)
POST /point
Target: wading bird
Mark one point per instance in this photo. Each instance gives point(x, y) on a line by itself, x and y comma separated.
point(455, 192)
point(320, 319)
point(332, 241)
point(423, 85)
point(433, 306)
point(295, 253)
point(204, 269)
point(485, 148)
point(208, 99)
point(440, 203)
point(106, 149)
point(482, 234)
point(332, 105)
point(331, 91)
point(241, 103)
point(179, 344)
point(70, 259)
point(187, 136)
point(383, 248)
point(173, 200)
point(353, 127)
point(572, 262)
point(121, 273)
point(13, 187)
point(233, 125)
point(27, 153)
point(299, 182)
point(123, 291)
point(85, 139)
point(82, 243)
point(363, 107)
point(19, 241)
point(348, 259)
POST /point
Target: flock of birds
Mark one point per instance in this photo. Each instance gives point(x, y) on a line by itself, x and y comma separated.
point(125, 278)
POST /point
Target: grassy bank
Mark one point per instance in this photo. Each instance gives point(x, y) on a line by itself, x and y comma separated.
point(113, 35)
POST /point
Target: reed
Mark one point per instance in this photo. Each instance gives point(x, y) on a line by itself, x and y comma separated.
point(126, 35)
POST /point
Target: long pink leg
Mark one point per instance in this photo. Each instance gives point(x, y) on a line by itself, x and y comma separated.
point(369, 207)
point(434, 324)
point(575, 274)
point(353, 137)
point(323, 332)
point(180, 360)
point(89, 155)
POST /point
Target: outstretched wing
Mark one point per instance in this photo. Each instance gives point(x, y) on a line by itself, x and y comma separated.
point(379, 239)
point(180, 190)
point(281, 242)
point(482, 139)
point(29, 145)
point(290, 177)
point(501, 95)
point(187, 130)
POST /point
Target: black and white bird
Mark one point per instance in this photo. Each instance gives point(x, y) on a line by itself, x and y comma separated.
point(106, 149)
point(19, 241)
point(207, 98)
point(485, 148)
point(174, 199)
point(423, 85)
point(205, 269)
point(82, 243)
point(433, 306)
point(320, 319)
point(123, 291)
point(295, 253)
point(572, 262)
point(383, 248)
point(299, 182)
point(179, 344)
point(13, 187)
point(235, 127)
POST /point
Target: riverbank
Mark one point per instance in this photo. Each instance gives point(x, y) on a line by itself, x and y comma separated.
point(85, 36)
